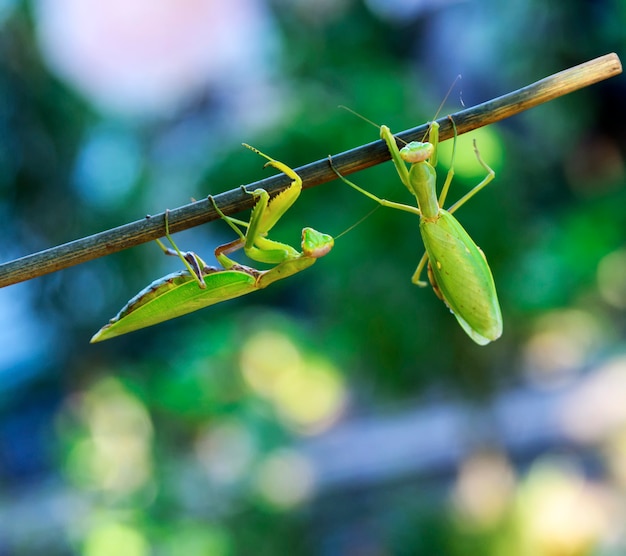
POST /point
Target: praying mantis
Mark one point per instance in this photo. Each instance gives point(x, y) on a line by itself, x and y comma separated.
point(457, 268)
point(200, 285)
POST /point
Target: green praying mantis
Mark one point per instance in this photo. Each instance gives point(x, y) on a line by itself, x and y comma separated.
point(457, 268)
point(200, 285)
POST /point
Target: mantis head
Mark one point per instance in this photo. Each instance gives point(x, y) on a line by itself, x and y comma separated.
point(416, 151)
point(316, 244)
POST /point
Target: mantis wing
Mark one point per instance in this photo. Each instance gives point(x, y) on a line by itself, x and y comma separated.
point(463, 277)
point(174, 295)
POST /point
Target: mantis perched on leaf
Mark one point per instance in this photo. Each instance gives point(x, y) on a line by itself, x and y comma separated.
point(457, 268)
point(200, 285)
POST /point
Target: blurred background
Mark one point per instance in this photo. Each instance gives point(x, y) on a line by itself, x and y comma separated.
point(342, 411)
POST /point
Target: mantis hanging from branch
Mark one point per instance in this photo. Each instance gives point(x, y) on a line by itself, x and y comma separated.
point(457, 268)
point(200, 285)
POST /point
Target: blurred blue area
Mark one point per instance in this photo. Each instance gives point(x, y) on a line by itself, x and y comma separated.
point(342, 411)
point(107, 168)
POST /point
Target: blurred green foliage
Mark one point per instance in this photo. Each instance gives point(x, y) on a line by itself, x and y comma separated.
point(186, 438)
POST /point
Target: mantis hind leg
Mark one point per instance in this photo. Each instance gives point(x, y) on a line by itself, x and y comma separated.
point(418, 272)
point(234, 223)
point(450, 174)
point(194, 264)
point(486, 180)
point(446, 186)
point(168, 250)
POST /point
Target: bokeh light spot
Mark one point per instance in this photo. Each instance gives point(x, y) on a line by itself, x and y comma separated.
point(108, 167)
point(146, 59)
point(115, 538)
point(311, 399)
point(484, 489)
point(465, 163)
point(199, 539)
point(561, 512)
point(285, 479)
point(562, 342)
point(226, 450)
point(265, 358)
point(612, 278)
point(308, 393)
point(115, 456)
point(597, 407)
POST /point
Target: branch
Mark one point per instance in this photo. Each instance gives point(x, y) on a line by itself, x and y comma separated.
point(315, 173)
